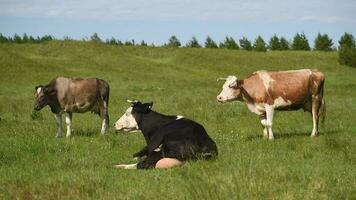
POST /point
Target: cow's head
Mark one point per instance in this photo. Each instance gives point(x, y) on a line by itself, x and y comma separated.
point(129, 120)
point(43, 96)
point(230, 90)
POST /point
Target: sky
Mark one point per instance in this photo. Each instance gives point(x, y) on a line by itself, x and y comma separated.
point(156, 20)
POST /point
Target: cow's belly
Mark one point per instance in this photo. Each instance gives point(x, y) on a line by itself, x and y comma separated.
point(257, 108)
point(81, 107)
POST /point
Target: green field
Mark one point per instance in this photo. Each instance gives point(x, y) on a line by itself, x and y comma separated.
point(36, 165)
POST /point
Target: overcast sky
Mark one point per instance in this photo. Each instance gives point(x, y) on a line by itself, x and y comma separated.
point(156, 20)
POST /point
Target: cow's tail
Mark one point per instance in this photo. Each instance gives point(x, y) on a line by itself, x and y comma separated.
point(322, 109)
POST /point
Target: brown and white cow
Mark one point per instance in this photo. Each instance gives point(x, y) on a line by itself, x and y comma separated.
point(264, 92)
point(74, 95)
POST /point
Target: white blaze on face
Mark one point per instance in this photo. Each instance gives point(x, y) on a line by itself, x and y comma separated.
point(227, 92)
point(127, 121)
point(39, 90)
point(179, 117)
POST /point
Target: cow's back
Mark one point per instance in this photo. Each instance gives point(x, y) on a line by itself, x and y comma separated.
point(185, 139)
point(288, 87)
point(78, 94)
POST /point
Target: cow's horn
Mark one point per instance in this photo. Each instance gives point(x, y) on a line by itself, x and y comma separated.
point(221, 79)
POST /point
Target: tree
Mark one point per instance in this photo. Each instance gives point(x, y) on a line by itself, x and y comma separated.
point(112, 41)
point(143, 43)
point(25, 38)
point(95, 38)
point(284, 44)
point(347, 56)
point(300, 42)
point(193, 43)
point(46, 38)
point(323, 43)
point(3, 39)
point(31, 39)
point(210, 43)
point(129, 43)
point(347, 50)
point(229, 43)
point(259, 44)
point(274, 43)
point(347, 40)
point(173, 41)
point(245, 44)
point(17, 39)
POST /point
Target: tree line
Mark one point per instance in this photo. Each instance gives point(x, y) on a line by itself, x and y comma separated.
point(346, 48)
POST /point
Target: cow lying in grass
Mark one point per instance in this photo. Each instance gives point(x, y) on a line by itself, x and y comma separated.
point(171, 140)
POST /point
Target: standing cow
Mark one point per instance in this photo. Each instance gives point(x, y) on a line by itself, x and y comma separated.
point(74, 95)
point(264, 92)
point(170, 140)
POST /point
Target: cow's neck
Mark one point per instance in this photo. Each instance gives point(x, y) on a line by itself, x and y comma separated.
point(54, 105)
point(244, 95)
point(151, 122)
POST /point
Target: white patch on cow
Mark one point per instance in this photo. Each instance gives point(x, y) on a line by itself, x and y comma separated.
point(227, 92)
point(269, 120)
point(266, 79)
point(158, 149)
point(126, 166)
point(58, 118)
point(257, 108)
point(297, 70)
point(69, 124)
point(39, 90)
point(179, 117)
point(280, 102)
point(127, 121)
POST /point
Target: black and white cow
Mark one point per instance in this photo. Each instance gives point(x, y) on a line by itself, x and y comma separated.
point(171, 140)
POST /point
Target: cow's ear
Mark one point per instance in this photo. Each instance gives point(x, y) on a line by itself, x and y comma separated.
point(50, 90)
point(147, 107)
point(234, 84)
point(38, 86)
point(150, 105)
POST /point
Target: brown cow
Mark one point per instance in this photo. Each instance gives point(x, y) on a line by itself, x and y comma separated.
point(74, 95)
point(264, 92)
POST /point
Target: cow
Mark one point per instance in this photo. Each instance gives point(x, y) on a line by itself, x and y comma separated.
point(170, 140)
point(267, 91)
point(74, 95)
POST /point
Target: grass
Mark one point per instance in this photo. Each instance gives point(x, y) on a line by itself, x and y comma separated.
point(36, 165)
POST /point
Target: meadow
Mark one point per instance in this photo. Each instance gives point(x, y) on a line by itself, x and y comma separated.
point(36, 165)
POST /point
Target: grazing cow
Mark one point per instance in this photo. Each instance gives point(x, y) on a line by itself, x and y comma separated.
point(74, 95)
point(264, 92)
point(171, 140)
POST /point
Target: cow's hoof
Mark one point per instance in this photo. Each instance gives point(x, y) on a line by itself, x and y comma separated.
point(138, 158)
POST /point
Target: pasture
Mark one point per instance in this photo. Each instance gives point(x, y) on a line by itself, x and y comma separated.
point(36, 165)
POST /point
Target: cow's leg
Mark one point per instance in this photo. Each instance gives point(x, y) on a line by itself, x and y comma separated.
point(166, 163)
point(316, 102)
point(150, 161)
point(264, 125)
point(69, 124)
point(58, 118)
point(105, 117)
point(126, 166)
point(269, 120)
